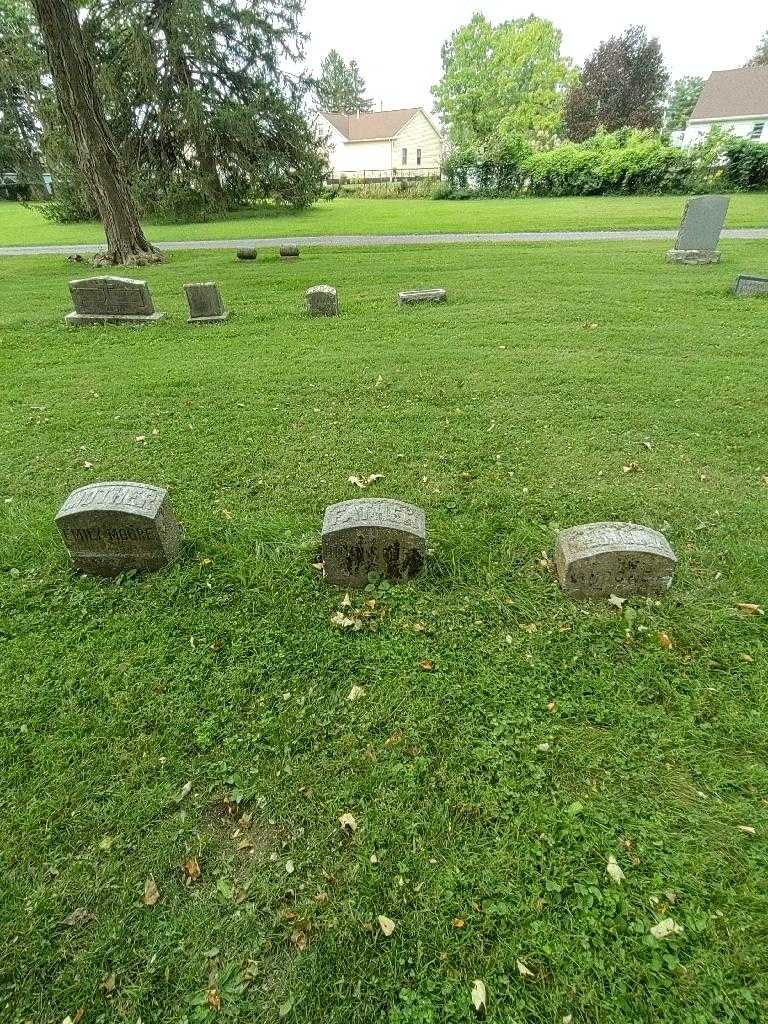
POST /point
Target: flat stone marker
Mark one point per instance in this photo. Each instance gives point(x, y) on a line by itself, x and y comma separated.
point(205, 303)
point(111, 528)
point(427, 295)
point(368, 535)
point(247, 254)
point(746, 285)
point(289, 252)
point(111, 300)
point(601, 559)
point(323, 300)
point(699, 234)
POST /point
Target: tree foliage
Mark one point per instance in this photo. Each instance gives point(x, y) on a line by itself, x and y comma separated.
point(21, 93)
point(681, 99)
point(341, 87)
point(503, 85)
point(622, 85)
point(761, 53)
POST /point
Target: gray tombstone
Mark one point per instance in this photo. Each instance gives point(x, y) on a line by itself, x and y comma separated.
point(115, 527)
point(247, 254)
point(427, 295)
point(323, 300)
point(699, 234)
point(289, 252)
point(747, 285)
point(601, 559)
point(111, 300)
point(372, 535)
point(205, 303)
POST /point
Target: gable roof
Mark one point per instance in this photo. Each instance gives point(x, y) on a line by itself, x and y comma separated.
point(370, 127)
point(739, 93)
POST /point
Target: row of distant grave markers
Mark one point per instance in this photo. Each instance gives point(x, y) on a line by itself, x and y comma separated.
point(118, 527)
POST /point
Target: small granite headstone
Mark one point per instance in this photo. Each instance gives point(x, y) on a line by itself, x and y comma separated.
point(699, 234)
point(247, 254)
point(372, 535)
point(323, 300)
point(427, 295)
point(289, 252)
point(205, 303)
point(747, 285)
point(115, 527)
point(601, 559)
point(111, 300)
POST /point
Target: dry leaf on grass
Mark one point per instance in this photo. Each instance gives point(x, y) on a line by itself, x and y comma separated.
point(459, 922)
point(613, 871)
point(289, 867)
point(666, 929)
point(348, 823)
point(365, 481)
point(522, 970)
point(192, 870)
point(151, 892)
point(748, 829)
point(386, 924)
point(750, 609)
point(632, 467)
point(617, 602)
point(426, 665)
point(78, 918)
point(479, 997)
point(213, 998)
point(664, 642)
point(184, 792)
point(356, 693)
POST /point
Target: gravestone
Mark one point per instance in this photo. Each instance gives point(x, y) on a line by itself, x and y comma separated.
point(699, 234)
point(427, 295)
point(247, 254)
point(205, 303)
point(601, 559)
point(289, 252)
point(372, 535)
point(111, 300)
point(747, 285)
point(323, 300)
point(111, 528)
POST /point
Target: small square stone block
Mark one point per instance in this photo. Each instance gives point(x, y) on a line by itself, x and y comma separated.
point(747, 285)
point(112, 528)
point(427, 295)
point(372, 535)
point(247, 254)
point(322, 300)
point(600, 559)
point(205, 303)
point(289, 252)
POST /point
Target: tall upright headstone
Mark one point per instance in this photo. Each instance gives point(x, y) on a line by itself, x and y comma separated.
point(601, 559)
point(323, 300)
point(372, 535)
point(112, 528)
point(111, 300)
point(205, 303)
point(699, 235)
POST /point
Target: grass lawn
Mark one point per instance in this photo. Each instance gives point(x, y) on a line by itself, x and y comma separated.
point(506, 414)
point(20, 226)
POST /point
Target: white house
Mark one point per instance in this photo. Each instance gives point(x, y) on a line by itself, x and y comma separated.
point(735, 100)
point(384, 144)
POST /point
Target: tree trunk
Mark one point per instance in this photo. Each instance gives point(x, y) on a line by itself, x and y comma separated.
point(97, 155)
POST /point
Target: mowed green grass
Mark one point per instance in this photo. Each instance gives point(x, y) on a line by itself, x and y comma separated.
point(506, 414)
point(344, 216)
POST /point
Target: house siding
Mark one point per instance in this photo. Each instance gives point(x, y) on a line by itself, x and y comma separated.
point(740, 127)
point(417, 134)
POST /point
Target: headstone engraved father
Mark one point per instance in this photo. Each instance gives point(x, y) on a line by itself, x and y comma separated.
point(699, 234)
point(373, 535)
point(111, 528)
point(601, 559)
point(111, 300)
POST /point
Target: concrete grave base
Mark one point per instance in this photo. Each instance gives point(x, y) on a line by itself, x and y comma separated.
point(693, 256)
point(87, 320)
point(208, 319)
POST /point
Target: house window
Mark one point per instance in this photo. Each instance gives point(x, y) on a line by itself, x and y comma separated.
point(757, 131)
point(418, 158)
point(405, 157)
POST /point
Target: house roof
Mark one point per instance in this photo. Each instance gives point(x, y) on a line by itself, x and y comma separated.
point(368, 127)
point(739, 93)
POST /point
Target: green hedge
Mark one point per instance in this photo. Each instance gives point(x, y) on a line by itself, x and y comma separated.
point(623, 163)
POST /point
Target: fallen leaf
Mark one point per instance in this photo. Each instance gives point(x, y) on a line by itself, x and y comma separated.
point(544, 748)
point(427, 665)
point(356, 693)
point(522, 970)
point(213, 998)
point(664, 641)
point(479, 997)
point(342, 620)
point(78, 918)
point(617, 602)
point(552, 707)
point(750, 609)
point(151, 892)
point(666, 929)
point(140, 438)
point(614, 871)
point(748, 829)
point(88, 465)
point(632, 467)
point(110, 983)
point(191, 870)
point(184, 792)
point(386, 924)
point(289, 868)
point(348, 824)
point(299, 939)
point(285, 1008)
point(459, 922)
point(419, 627)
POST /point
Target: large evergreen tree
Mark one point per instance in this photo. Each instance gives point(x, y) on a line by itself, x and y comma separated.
point(681, 99)
point(21, 92)
point(761, 53)
point(81, 108)
point(341, 87)
point(622, 86)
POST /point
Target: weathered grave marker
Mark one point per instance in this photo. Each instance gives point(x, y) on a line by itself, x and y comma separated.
point(111, 300)
point(111, 528)
point(372, 535)
point(205, 303)
point(247, 254)
point(748, 285)
point(600, 559)
point(699, 234)
point(323, 300)
point(289, 252)
point(426, 295)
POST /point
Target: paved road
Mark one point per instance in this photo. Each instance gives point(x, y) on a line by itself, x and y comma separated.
point(357, 241)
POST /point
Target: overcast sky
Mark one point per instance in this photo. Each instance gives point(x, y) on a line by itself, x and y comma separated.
point(397, 42)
